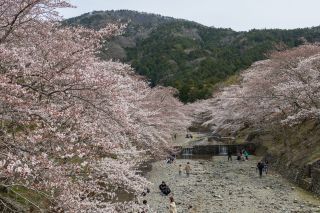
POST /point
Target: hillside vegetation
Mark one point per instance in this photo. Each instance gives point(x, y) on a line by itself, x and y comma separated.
point(186, 55)
point(276, 105)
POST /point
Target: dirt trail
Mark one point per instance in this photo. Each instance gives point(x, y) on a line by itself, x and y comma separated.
point(216, 185)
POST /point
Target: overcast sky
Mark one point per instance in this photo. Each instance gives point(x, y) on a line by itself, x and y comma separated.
point(235, 14)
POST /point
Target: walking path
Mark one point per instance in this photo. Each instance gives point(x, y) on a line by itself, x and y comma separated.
point(216, 185)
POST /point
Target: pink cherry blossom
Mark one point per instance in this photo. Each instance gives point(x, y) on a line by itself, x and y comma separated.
point(74, 128)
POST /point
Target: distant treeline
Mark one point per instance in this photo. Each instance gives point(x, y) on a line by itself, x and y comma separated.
point(189, 56)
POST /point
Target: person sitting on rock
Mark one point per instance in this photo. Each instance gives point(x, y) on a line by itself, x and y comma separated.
point(164, 188)
point(166, 191)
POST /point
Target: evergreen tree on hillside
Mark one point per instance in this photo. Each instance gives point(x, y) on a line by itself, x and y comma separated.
point(189, 56)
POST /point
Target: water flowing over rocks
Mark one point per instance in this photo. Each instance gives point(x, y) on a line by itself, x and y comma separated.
point(216, 185)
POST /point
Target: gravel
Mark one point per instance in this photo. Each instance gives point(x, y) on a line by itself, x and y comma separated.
point(216, 185)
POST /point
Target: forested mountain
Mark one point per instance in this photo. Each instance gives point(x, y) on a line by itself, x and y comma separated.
point(186, 55)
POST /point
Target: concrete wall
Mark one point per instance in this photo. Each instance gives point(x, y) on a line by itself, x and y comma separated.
point(216, 149)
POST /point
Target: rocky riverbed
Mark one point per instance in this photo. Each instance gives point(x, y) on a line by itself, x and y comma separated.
point(216, 185)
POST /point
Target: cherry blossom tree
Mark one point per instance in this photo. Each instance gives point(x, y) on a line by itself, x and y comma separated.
point(288, 84)
point(283, 89)
point(74, 128)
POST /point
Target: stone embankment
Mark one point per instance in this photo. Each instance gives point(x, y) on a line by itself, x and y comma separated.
point(216, 185)
point(306, 175)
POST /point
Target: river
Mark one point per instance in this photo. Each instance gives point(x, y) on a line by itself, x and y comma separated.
point(216, 185)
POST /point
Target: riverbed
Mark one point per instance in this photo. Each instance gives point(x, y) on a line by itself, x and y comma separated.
point(216, 185)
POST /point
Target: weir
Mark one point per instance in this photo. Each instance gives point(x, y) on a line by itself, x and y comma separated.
point(219, 149)
point(187, 151)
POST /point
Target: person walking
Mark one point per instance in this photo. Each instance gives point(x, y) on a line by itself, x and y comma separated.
point(188, 169)
point(172, 206)
point(260, 167)
point(229, 155)
point(266, 165)
point(180, 169)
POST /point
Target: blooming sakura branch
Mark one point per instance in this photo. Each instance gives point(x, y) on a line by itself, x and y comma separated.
point(75, 128)
point(284, 89)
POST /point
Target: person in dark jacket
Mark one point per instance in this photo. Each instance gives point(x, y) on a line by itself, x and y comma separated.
point(229, 155)
point(239, 156)
point(164, 188)
point(260, 167)
point(266, 165)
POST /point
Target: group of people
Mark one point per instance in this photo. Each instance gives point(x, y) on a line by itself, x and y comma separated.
point(189, 136)
point(171, 159)
point(187, 168)
point(144, 202)
point(242, 155)
point(165, 189)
